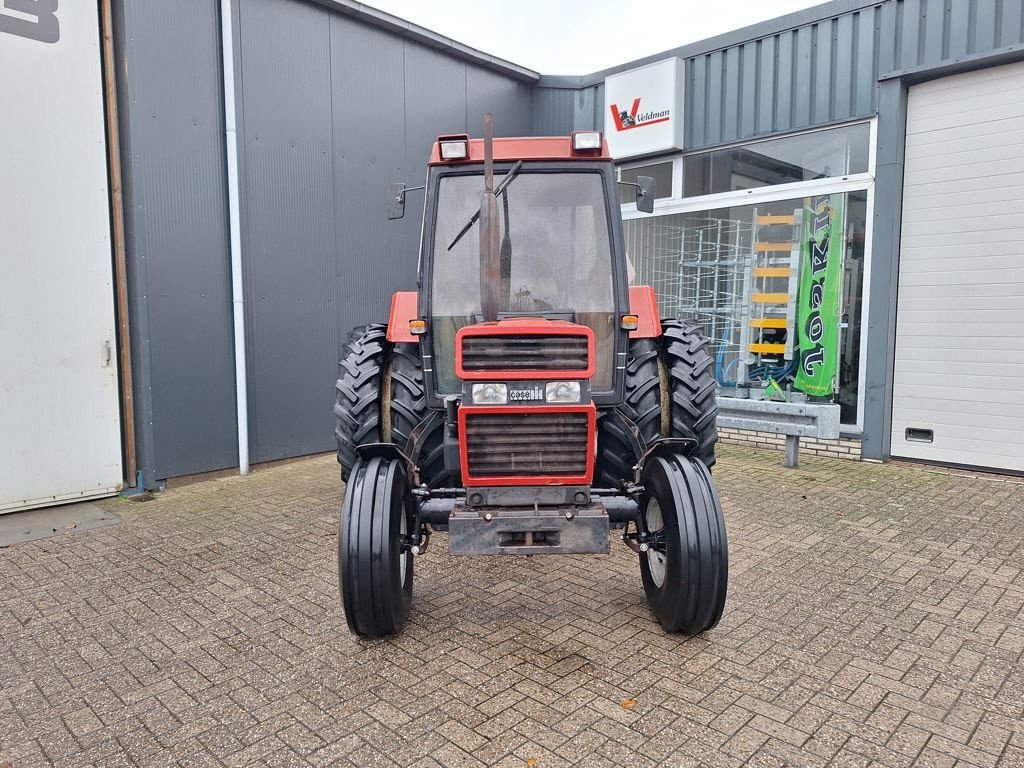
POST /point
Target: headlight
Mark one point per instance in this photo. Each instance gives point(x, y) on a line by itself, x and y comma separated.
point(562, 392)
point(490, 393)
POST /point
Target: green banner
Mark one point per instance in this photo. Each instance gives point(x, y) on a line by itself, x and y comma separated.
point(821, 264)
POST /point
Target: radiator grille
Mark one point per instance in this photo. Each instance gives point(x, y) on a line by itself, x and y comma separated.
point(540, 443)
point(524, 353)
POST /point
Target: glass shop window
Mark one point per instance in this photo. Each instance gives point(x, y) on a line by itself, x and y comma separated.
point(822, 154)
point(776, 287)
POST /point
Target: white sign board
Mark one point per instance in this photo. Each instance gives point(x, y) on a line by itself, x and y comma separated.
point(644, 109)
point(60, 435)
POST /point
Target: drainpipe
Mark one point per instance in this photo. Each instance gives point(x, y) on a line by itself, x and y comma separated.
point(227, 47)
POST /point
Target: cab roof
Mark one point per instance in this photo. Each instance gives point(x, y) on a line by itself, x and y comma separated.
point(521, 148)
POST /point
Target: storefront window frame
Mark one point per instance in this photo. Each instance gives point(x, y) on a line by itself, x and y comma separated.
point(858, 182)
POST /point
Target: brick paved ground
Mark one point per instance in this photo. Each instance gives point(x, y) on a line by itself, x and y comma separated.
point(874, 618)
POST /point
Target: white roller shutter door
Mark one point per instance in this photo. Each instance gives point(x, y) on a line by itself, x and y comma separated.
point(958, 391)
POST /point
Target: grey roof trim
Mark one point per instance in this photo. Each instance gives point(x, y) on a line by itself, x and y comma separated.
point(746, 34)
point(407, 29)
point(1009, 54)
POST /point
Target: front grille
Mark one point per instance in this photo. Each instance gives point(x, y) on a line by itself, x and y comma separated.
point(536, 443)
point(524, 353)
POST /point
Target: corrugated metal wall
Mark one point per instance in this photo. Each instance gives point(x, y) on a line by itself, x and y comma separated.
point(327, 101)
point(172, 131)
point(932, 32)
point(559, 111)
point(332, 110)
point(811, 75)
point(815, 74)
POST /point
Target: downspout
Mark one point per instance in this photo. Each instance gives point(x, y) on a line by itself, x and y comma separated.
point(227, 47)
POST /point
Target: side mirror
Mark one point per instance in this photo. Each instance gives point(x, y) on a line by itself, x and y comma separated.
point(396, 204)
point(645, 194)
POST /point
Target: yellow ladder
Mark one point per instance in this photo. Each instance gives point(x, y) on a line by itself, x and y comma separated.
point(772, 287)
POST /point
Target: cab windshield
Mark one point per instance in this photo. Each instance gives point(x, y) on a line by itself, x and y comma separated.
point(555, 239)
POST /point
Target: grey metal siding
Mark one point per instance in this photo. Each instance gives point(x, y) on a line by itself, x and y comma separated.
point(372, 256)
point(551, 111)
point(828, 71)
point(289, 220)
point(176, 230)
point(816, 74)
point(559, 111)
point(931, 32)
point(334, 110)
point(508, 99)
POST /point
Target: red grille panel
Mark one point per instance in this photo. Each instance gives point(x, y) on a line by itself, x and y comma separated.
point(528, 445)
point(524, 353)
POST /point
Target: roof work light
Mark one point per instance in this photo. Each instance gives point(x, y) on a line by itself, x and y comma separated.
point(454, 147)
point(586, 141)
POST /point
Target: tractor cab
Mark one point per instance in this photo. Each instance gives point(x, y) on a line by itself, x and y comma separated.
point(526, 399)
point(560, 249)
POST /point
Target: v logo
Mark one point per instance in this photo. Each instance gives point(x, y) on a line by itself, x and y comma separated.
point(624, 120)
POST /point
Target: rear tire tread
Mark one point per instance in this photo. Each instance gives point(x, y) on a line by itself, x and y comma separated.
point(367, 357)
point(683, 352)
point(357, 392)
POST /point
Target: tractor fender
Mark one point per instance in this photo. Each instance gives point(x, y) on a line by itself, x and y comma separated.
point(403, 309)
point(644, 304)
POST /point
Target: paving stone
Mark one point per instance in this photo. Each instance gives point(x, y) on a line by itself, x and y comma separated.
point(874, 618)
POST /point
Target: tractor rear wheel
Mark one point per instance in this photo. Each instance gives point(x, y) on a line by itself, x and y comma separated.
point(642, 405)
point(407, 403)
point(670, 392)
point(691, 386)
point(358, 392)
point(686, 571)
point(380, 398)
point(374, 565)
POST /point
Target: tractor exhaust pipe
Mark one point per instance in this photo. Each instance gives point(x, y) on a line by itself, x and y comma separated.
point(489, 246)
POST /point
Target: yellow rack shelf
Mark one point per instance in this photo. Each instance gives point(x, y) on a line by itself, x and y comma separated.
point(768, 322)
point(762, 349)
point(772, 271)
point(776, 219)
point(770, 298)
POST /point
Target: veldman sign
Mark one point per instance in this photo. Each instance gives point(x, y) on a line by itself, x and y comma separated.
point(644, 109)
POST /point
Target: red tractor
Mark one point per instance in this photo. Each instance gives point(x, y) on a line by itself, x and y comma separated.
point(526, 398)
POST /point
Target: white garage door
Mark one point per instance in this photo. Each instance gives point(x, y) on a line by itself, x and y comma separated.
point(958, 394)
point(60, 437)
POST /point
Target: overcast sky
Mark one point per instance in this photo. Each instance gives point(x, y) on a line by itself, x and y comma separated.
point(562, 37)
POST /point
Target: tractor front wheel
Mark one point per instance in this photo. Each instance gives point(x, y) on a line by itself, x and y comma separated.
point(374, 564)
point(685, 570)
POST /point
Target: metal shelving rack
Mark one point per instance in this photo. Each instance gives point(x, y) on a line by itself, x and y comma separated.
point(700, 272)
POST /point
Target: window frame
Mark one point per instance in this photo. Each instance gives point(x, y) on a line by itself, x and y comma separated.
point(677, 173)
